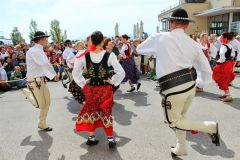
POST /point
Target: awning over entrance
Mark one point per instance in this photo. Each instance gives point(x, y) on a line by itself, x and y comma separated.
point(218, 11)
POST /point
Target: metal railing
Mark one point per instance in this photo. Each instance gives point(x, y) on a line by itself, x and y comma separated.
point(172, 6)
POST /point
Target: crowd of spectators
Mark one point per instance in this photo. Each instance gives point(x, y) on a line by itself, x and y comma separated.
point(13, 58)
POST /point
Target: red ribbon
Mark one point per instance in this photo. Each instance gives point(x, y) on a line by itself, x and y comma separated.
point(92, 48)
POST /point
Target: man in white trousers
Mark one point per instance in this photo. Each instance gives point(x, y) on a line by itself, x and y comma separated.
point(39, 67)
point(176, 54)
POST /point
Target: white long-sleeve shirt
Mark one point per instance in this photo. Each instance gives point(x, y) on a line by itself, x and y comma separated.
point(175, 51)
point(38, 64)
point(96, 58)
point(67, 52)
point(212, 49)
point(70, 60)
point(124, 48)
point(72, 57)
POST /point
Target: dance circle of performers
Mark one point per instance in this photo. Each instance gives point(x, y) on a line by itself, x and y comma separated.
point(95, 69)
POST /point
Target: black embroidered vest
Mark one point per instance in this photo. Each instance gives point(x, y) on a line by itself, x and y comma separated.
point(97, 72)
point(227, 54)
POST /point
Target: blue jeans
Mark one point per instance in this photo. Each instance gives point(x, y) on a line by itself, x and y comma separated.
point(19, 84)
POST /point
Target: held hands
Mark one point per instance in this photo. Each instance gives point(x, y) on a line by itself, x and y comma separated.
point(88, 81)
point(56, 78)
point(108, 81)
point(120, 57)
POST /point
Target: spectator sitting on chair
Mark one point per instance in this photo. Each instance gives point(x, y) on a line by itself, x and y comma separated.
point(17, 75)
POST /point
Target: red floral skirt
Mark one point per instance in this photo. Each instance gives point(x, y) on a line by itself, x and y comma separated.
point(223, 74)
point(97, 110)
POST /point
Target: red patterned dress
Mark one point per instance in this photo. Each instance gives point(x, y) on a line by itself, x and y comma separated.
point(97, 110)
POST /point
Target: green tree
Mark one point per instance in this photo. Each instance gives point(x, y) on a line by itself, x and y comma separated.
point(33, 29)
point(55, 31)
point(16, 36)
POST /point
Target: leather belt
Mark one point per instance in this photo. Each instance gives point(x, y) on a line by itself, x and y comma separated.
point(177, 78)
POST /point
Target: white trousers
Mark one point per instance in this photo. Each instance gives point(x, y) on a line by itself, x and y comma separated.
point(39, 96)
point(175, 107)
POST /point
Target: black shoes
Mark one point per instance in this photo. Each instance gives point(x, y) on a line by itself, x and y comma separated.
point(48, 129)
point(138, 86)
point(216, 137)
point(92, 143)
point(132, 89)
point(112, 144)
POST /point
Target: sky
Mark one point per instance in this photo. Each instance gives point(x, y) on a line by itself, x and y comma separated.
point(81, 17)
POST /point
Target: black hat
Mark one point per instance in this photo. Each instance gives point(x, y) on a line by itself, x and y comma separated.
point(125, 36)
point(180, 15)
point(38, 35)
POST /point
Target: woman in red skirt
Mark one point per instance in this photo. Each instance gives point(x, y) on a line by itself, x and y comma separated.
point(97, 88)
point(223, 73)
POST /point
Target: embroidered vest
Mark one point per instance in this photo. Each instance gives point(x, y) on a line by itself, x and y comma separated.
point(128, 51)
point(97, 72)
point(227, 54)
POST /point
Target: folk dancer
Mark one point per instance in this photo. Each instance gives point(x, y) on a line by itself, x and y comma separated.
point(223, 73)
point(128, 64)
point(176, 54)
point(39, 67)
point(97, 87)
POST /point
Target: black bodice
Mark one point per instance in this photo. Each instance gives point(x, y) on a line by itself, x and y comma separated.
point(97, 72)
point(227, 54)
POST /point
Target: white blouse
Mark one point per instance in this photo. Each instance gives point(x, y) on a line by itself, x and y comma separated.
point(96, 58)
point(223, 51)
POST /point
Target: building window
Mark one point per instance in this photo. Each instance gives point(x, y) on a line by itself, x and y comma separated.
point(165, 26)
point(219, 24)
point(236, 16)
